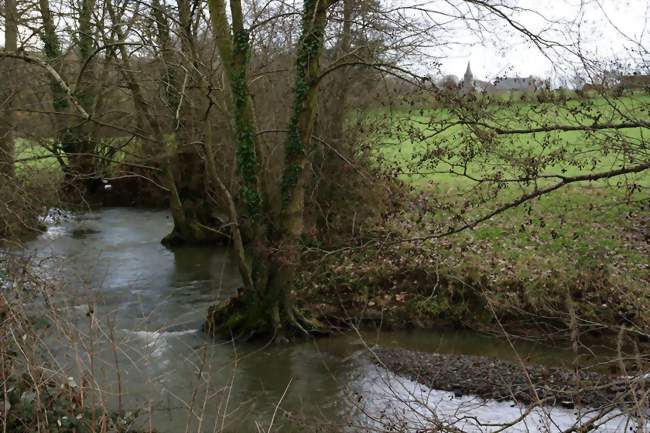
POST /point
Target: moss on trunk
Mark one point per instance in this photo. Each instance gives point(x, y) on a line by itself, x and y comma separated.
point(266, 307)
point(257, 315)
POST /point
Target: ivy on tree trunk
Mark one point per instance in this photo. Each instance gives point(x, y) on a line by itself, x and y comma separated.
point(268, 307)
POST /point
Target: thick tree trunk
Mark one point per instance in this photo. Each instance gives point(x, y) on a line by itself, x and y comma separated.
point(268, 308)
point(7, 95)
point(254, 311)
point(297, 147)
point(76, 141)
point(186, 229)
point(185, 94)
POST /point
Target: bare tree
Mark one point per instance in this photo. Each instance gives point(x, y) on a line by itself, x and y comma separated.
point(8, 92)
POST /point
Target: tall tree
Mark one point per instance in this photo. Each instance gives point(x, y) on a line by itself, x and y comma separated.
point(156, 145)
point(7, 92)
point(186, 94)
point(74, 139)
point(54, 56)
point(78, 142)
point(266, 306)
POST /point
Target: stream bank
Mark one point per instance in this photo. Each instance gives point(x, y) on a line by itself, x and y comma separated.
point(115, 286)
point(504, 380)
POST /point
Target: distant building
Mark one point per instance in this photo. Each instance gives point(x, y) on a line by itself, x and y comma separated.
point(614, 80)
point(609, 79)
point(449, 82)
point(635, 81)
point(602, 81)
point(524, 84)
point(593, 88)
point(505, 84)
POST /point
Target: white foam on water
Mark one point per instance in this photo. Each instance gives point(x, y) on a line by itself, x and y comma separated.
point(54, 232)
point(54, 215)
point(392, 401)
point(156, 341)
point(158, 334)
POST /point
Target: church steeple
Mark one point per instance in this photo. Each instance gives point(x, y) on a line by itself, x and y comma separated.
point(468, 79)
point(468, 72)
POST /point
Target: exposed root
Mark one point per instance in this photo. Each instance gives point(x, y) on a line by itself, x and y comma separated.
point(195, 234)
point(243, 319)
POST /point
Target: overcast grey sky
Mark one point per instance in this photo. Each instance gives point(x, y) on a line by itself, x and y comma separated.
point(604, 29)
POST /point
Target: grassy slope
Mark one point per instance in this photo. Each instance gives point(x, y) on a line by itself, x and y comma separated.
point(607, 198)
point(403, 144)
point(586, 237)
point(31, 156)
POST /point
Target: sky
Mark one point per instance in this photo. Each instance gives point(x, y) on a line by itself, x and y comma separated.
point(605, 27)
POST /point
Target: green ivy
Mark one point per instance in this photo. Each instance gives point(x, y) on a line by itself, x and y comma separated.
point(311, 41)
point(246, 154)
point(52, 50)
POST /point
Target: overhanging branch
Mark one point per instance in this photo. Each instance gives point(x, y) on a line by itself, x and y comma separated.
point(537, 193)
point(52, 72)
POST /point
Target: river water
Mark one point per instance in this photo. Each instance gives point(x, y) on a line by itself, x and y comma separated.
point(136, 308)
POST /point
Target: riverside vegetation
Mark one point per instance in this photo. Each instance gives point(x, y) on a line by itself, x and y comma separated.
point(351, 189)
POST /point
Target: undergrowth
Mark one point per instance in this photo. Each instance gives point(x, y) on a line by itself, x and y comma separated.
point(529, 276)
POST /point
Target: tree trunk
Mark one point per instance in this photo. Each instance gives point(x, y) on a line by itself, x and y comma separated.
point(185, 98)
point(79, 142)
point(341, 87)
point(301, 125)
point(268, 309)
point(252, 311)
point(75, 141)
point(187, 229)
point(7, 95)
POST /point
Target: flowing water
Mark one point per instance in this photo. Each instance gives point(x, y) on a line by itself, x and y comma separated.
point(137, 308)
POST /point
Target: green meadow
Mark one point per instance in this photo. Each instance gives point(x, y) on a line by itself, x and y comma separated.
point(409, 136)
point(579, 225)
point(31, 156)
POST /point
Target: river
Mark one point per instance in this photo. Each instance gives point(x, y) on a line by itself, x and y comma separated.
point(136, 308)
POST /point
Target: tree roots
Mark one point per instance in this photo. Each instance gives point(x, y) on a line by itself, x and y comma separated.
point(243, 318)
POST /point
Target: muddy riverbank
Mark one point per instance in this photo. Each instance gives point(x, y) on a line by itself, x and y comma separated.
point(501, 380)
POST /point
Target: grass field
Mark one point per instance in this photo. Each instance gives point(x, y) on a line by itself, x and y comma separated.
point(581, 252)
point(31, 156)
point(413, 134)
point(602, 223)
